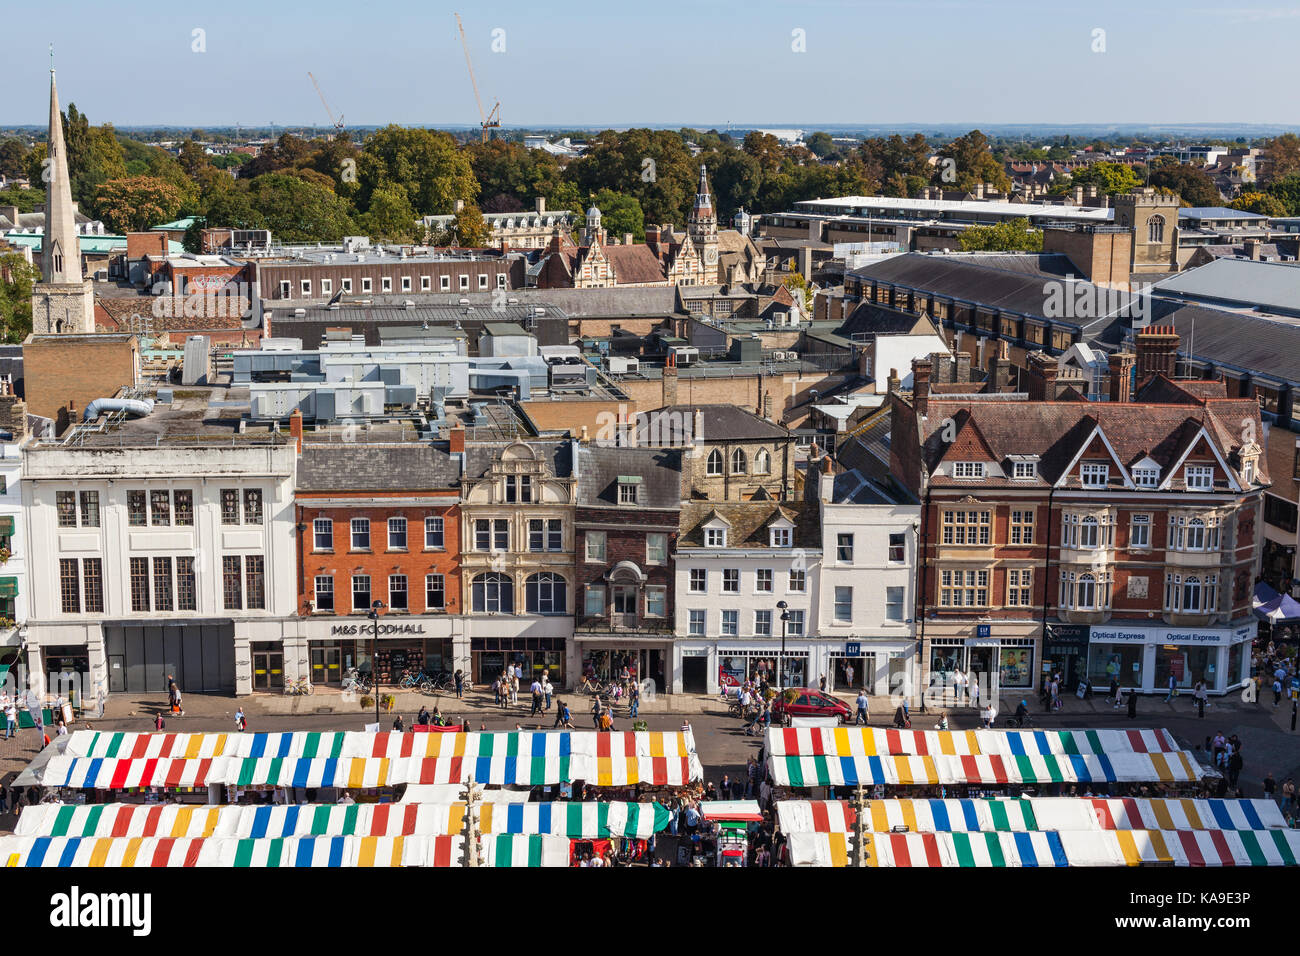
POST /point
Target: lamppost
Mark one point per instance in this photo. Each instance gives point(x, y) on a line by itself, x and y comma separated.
point(373, 614)
point(780, 661)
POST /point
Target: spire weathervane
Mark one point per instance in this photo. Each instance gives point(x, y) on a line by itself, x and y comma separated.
point(51, 57)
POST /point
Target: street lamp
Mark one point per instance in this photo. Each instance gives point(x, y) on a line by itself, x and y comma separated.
point(373, 614)
point(780, 661)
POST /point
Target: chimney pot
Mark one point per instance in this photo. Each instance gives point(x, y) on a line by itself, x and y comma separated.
point(456, 439)
point(921, 369)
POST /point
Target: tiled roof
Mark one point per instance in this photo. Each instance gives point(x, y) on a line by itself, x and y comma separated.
point(634, 264)
point(748, 523)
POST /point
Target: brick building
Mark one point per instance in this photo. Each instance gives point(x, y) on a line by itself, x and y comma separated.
point(628, 503)
point(1128, 532)
point(320, 274)
point(376, 521)
point(63, 371)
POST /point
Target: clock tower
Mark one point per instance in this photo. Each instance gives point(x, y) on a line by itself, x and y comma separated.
point(702, 227)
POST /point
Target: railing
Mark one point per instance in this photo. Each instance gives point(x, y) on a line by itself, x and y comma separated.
point(607, 626)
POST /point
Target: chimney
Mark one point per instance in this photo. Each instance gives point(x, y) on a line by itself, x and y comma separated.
point(815, 230)
point(460, 205)
point(10, 213)
point(1091, 191)
point(651, 235)
point(456, 440)
point(1000, 372)
point(921, 369)
point(698, 434)
point(891, 383)
point(540, 203)
point(826, 479)
point(670, 380)
point(1157, 351)
point(1252, 249)
point(963, 367)
point(295, 428)
point(979, 191)
point(1043, 372)
point(627, 238)
point(1121, 376)
point(1078, 195)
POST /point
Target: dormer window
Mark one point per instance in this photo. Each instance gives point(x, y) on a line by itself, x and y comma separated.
point(781, 538)
point(715, 537)
point(519, 488)
point(968, 469)
point(1199, 477)
point(627, 489)
point(1024, 470)
point(1094, 475)
point(1146, 476)
point(1248, 470)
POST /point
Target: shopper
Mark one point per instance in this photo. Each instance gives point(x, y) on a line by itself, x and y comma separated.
point(240, 721)
point(398, 725)
point(460, 684)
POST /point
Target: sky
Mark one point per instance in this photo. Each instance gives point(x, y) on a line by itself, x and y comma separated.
point(619, 63)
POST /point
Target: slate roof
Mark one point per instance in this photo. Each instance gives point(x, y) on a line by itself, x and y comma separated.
point(599, 468)
point(1271, 286)
point(1256, 344)
point(748, 523)
point(721, 423)
point(870, 319)
point(480, 455)
point(411, 466)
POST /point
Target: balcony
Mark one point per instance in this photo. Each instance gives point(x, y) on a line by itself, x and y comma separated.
point(624, 626)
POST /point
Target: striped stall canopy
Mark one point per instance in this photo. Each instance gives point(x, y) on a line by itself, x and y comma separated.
point(307, 772)
point(107, 773)
point(334, 851)
point(1186, 814)
point(307, 745)
point(944, 816)
point(591, 820)
point(1195, 848)
point(118, 820)
point(137, 746)
point(624, 758)
point(100, 851)
point(1063, 813)
point(514, 849)
point(823, 849)
point(975, 769)
point(815, 816)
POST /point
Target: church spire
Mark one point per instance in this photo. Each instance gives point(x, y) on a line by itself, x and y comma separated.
point(60, 252)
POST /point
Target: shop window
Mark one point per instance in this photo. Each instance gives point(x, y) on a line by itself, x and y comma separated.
point(1016, 666)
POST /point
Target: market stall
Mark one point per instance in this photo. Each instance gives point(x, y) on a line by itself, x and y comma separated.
point(44, 851)
point(1174, 814)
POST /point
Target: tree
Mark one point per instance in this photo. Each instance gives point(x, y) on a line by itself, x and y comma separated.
point(619, 214)
point(798, 287)
point(1261, 203)
point(821, 145)
point(1109, 178)
point(1192, 184)
point(192, 158)
point(973, 163)
point(296, 210)
point(17, 278)
point(94, 156)
point(233, 209)
point(390, 217)
point(13, 158)
point(652, 165)
point(136, 203)
point(902, 166)
point(424, 164)
point(1281, 157)
point(193, 238)
point(1012, 235)
point(1287, 191)
point(469, 228)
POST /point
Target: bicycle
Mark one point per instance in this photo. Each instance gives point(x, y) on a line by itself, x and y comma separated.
point(301, 687)
point(1025, 721)
point(421, 680)
point(356, 683)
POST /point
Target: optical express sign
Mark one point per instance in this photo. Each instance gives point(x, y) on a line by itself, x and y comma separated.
point(1206, 637)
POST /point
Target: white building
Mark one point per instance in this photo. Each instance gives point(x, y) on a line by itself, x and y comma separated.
point(167, 545)
point(13, 547)
point(735, 562)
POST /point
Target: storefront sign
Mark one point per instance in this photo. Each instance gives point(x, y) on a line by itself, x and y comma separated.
point(1197, 636)
point(1076, 634)
point(852, 649)
point(366, 630)
point(983, 630)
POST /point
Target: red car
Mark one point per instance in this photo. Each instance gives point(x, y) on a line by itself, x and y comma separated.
point(808, 702)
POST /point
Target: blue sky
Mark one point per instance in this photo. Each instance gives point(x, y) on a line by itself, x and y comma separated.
point(682, 62)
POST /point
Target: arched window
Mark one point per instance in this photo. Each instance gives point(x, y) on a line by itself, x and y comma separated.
point(546, 593)
point(1191, 594)
point(763, 462)
point(1086, 596)
point(1196, 535)
point(737, 462)
point(493, 593)
point(1088, 532)
point(714, 464)
point(1156, 229)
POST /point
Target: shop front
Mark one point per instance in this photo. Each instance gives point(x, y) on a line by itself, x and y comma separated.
point(881, 668)
point(1143, 657)
point(336, 646)
point(603, 661)
point(1065, 651)
point(998, 657)
point(534, 655)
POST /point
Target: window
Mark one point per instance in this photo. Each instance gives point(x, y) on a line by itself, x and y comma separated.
point(501, 280)
point(70, 585)
point(396, 534)
point(1156, 229)
point(964, 588)
point(90, 509)
point(367, 284)
point(322, 534)
point(1088, 591)
point(305, 285)
point(894, 604)
point(656, 548)
point(897, 547)
point(346, 284)
point(433, 534)
point(627, 492)
point(229, 506)
point(66, 503)
point(794, 624)
point(1139, 534)
point(594, 602)
point(595, 545)
point(738, 462)
point(286, 289)
point(360, 593)
point(1022, 526)
point(426, 283)
point(1024, 470)
point(730, 623)
point(546, 593)
point(763, 580)
point(162, 584)
point(483, 280)
point(695, 625)
point(255, 582)
point(232, 587)
point(656, 602)
point(699, 581)
point(844, 548)
point(1191, 594)
point(730, 580)
point(326, 286)
point(966, 527)
point(715, 537)
point(140, 584)
point(843, 605)
point(1199, 477)
point(1146, 476)
point(555, 535)
point(160, 510)
point(1094, 476)
point(324, 592)
point(252, 506)
point(493, 593)
point(397, 593)
point(798, 581)
point(444, 283)
point(763, 462)
point(545, 534)
point(464, 282)
point(1248, 470)
point(361, 535)
point(386, 284)
point(183, 508)
point(1194, 533)
point(968, 469)
point(519, 488)
point(782, 537)
point(762, 623)
point(136, 515)
point(406, 283)
point(714, 464)
point(1020, 583)
point(1088, 532)
point(435, 592)
point(92, 580)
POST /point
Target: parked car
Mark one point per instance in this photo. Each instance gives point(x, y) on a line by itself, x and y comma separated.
point(808, 702)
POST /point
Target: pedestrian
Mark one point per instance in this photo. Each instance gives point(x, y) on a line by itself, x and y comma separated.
point(1270, 787)
point(1288, 794)
point(547, 689)
point(398, 725)
point(422, 718)
point(1235, 764)
point(989, 715)
point(1200, 693)
point(158, 722)
point(240, 721)
point(1173, 688)
point(496, 692)
point(173, 693)
point(1277, 691)
point(1132, 705)
point(606, 721)
point(724, 788)
point(460, 684)
point(634, 701)
point(862, 708)
point(848, 675)
point(11, 720)
point(974, 687)
point(595, 712)
point(943, 721)
point(821, 683)
point(1113, 693)
point(4, 799)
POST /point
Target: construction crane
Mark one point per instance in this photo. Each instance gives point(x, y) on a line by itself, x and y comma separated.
point(490, 120)
point(338, 123)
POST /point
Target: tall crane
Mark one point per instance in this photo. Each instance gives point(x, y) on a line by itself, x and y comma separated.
point(338, 123)
point(492, 119)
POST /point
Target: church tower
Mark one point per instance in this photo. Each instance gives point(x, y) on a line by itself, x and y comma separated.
point(702, 227)
point(64, 300)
